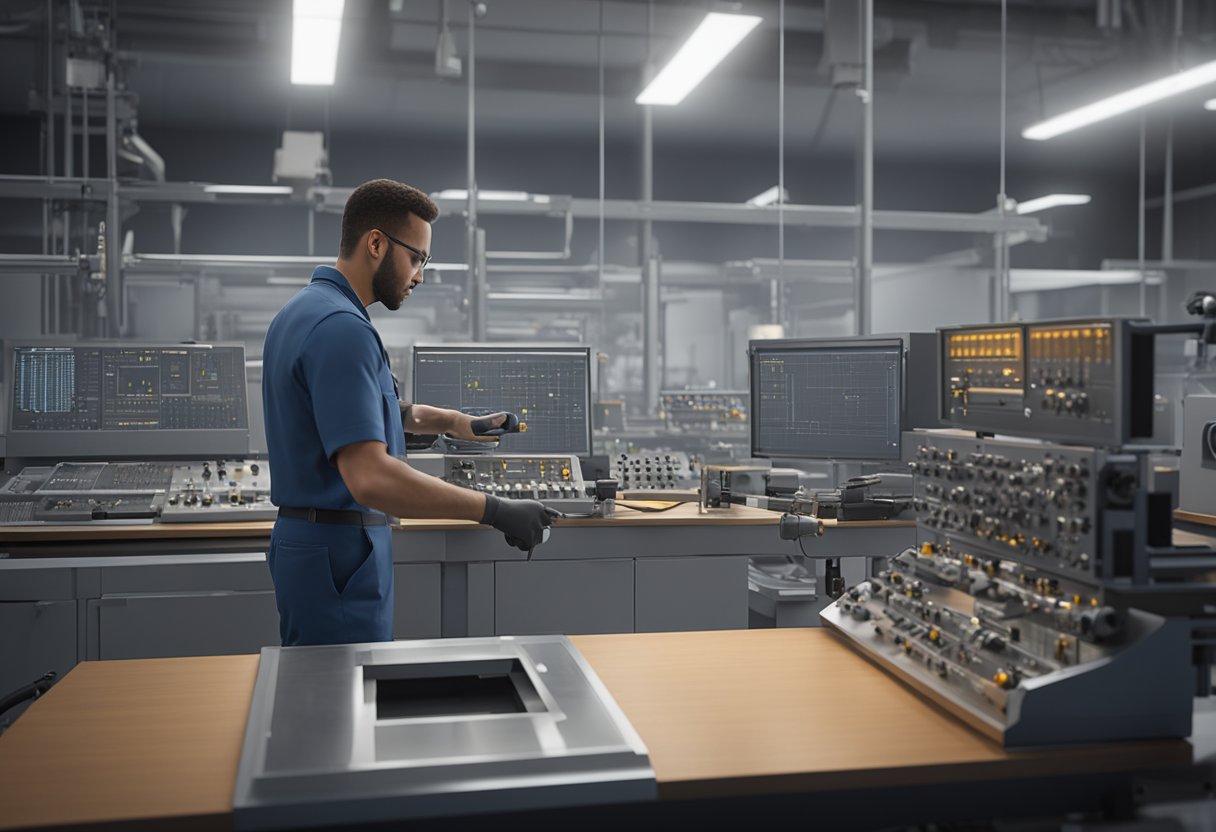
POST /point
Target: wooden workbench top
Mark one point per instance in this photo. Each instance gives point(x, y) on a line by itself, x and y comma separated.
point(1194, 517)
point(681, 515)
point(722, 713)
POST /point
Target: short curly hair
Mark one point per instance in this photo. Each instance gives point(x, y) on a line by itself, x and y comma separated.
point(380, 203)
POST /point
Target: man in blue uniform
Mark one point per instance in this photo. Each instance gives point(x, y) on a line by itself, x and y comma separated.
point(335, 436)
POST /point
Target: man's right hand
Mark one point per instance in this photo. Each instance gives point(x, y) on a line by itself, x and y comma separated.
point(522, 521)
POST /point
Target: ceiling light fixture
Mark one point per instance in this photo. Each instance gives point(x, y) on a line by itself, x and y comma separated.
point(1123, 102)
point(1042, 203)
point(494, 196)
point(259, 190)
point(316, 27)
point(712, 41)
point(769, 197)
point(1210, 104)
point(1045, 280)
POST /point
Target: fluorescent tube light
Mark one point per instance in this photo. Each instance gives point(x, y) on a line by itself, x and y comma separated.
point(1044, 280)
point(1123, 102)
point(497, 196)
point(1210, 104)
point(768, 197)
point(270, 190)
point(712, 41)
point(1042, 203)
point(316, 26)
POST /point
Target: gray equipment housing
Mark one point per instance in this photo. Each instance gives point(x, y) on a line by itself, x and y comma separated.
point(359, 733)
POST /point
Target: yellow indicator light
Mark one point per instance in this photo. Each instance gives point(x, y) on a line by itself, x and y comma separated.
point(1001, 678)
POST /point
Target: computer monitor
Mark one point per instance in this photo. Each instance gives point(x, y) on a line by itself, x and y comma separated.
point(108, 400)
point(828, 398)
point(549, 387)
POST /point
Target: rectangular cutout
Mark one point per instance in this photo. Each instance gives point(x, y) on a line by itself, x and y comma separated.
point(453, 689)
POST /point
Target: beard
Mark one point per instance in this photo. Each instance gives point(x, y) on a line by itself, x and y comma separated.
point(387, 287)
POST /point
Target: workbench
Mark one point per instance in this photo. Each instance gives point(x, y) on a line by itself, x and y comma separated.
point(736, 722)
point(97, 591)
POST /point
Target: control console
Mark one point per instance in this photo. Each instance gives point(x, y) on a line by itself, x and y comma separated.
point(221, 491)
point(554, 479)
point(1087, 381)
point(705, 410)
point(646, 471)
point(1043, 505)
point(169, 492)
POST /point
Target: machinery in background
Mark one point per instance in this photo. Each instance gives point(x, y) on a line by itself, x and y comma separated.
point(701, 411)
point(1045, 588)
point(168, 492)
point(609, 416)
point(654, 471)
point(175, 413)
point(1086, 380)
point(856, 500)
point(1197, 488)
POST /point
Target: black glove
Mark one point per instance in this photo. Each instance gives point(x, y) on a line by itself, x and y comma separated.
point(484, 425)
point(522, 521)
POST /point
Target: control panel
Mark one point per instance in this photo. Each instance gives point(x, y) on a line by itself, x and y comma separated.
point(652, 470)
point(219, 491)
point(692, 410)
point(169, 492)
point(1085, 381)
point(1041, 505)
point(554, 479)
point(1004, 647)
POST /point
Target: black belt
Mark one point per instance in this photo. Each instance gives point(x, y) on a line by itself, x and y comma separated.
point(335, 516)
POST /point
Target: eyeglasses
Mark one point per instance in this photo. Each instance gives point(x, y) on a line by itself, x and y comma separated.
point(422, 257)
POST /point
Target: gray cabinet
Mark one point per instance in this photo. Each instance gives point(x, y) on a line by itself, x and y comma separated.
point(35, 636)
point(416, 600)
point(680, 594)
point(181, 624)
point(570, 597)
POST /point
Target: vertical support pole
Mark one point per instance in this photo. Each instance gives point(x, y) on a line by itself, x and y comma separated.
point(600, 271)
point(865, 247)
point(650, 335)
point(1000, 310)
point(647, 256)
point(476, 278)
point(774, 298)
point(481, 290)
point(115, 302)
point(1140, 218)
point(1167, 208)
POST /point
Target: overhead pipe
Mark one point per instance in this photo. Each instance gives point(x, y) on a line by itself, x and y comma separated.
point(332, 200)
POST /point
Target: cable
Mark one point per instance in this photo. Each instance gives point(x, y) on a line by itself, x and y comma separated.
point(653, 509)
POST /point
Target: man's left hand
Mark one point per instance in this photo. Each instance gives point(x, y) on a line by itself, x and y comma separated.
point(463, 427)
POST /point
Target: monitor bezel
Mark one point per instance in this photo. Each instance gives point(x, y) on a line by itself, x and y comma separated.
point(582, 350)
point(161, 443)
point(856, 342)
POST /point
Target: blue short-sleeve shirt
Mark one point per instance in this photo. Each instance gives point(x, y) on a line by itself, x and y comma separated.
point(326, 383)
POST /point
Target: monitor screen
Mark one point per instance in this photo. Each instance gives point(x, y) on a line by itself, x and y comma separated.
point(119, 400)
point(549, 387)
point(838, 399)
